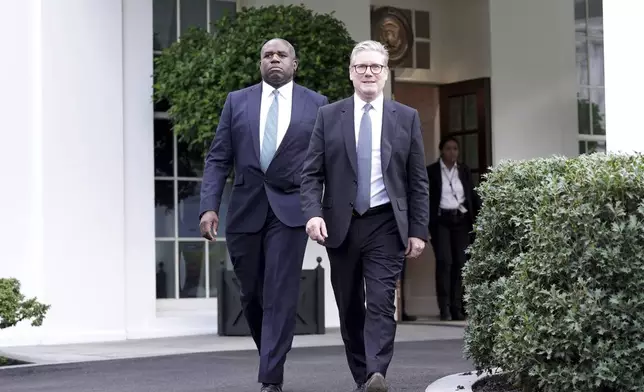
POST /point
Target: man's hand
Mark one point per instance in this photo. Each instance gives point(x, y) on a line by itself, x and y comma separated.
point(208, 225)
point(316, 229)
point(415, 247)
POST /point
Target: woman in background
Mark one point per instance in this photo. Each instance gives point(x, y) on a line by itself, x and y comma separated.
point(453, 206)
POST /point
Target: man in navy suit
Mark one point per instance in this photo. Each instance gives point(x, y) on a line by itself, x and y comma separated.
point(367, 152)
point(264, 132)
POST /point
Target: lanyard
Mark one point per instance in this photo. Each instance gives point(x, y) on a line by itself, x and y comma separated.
point(449, 179)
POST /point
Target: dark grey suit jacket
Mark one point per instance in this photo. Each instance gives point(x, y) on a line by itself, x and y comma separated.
point(331, 163)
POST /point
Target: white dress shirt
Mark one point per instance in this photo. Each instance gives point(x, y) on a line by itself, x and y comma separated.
point(285, 103)
point(378, 192)
point(452, 192)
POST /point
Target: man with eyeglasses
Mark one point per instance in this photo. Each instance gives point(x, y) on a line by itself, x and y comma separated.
point(365, 195)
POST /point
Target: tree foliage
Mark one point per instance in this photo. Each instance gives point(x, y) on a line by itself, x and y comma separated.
point(14, 308)
point(195, 74)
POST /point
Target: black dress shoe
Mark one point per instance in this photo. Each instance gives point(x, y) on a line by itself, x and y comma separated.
point(271, 388)
point(458, 316)
point(406, 317)
point(376, 383)
point(359, 388)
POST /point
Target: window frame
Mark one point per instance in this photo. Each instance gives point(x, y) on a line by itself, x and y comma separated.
point(175, 303)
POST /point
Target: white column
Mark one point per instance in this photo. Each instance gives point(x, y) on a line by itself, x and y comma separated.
point(623, 86)
point(138, 123)
point(20, 202)
point(83, 158)
point(66, 236)
point(533, 79)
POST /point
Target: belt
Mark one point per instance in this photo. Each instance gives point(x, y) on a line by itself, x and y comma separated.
point(444, 212)
point(373, 210)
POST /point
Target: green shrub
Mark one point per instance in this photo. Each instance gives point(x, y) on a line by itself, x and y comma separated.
point(14, 308)
point(555, 284)
point(197, 72)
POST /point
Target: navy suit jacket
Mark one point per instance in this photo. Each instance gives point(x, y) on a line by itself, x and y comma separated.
point(331, 162)
point(236, 142)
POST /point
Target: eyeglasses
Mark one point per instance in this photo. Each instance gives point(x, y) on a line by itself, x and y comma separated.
point(362, 68)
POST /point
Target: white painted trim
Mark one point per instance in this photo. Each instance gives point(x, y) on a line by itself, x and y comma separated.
point(592, 138)
point(461, 382)
point(413, 75)
point(171, 305)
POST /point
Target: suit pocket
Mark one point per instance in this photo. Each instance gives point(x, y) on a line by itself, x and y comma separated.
point(402, 203)
point(239, 180)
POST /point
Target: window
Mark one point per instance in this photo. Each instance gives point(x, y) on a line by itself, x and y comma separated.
point(589, 31)
point(186, 264)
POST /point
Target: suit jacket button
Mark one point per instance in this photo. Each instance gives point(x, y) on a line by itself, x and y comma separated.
point(351, 204)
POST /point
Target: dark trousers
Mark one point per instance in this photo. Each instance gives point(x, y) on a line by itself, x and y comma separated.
point(370, 257)
point(450, 238)
point(268, 265)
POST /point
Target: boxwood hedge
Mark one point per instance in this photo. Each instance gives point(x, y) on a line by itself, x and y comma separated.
point(555, 283)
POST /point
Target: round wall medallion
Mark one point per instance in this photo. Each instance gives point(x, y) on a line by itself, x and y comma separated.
point(392, 28)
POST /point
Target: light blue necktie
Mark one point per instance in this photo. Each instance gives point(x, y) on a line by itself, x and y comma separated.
point(363, 197)
point(269, 144)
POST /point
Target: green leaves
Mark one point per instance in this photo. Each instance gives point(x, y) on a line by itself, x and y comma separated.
point(14, 308)
point(555, 284)
point(197, 72)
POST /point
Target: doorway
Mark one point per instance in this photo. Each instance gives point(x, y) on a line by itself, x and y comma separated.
point(465, 115)
point(461, 110)
point(417, 286)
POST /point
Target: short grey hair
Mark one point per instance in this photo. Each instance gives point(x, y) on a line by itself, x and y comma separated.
point(370, 46)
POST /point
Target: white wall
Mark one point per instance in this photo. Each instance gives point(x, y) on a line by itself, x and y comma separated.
point(20, 202)
point(527, 48)
point(78, 120)
point(460, 40)
point(622, 24)
point(82, 129)
point(464, 40)
point(138, 129)
point(533, 82)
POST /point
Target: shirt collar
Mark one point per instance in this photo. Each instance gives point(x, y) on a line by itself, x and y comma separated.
point(445, 166)
point(376, 103)
point(286, 91)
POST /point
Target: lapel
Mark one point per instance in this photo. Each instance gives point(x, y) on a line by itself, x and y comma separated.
point(438, 174)
point(464, 181)
point(389, 119)
point(298, 103)
point(254, 102)
point(349, 132)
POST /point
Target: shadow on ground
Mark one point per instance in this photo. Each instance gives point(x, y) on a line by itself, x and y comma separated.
point(319, 369)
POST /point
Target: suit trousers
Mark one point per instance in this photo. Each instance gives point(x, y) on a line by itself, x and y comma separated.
point(368, 262)
point(450, 242)
point(268, 266)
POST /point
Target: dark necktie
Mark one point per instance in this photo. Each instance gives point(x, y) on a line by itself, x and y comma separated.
point(363, 197)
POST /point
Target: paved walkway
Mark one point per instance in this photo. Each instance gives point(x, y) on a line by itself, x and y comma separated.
point(201, 344)
point(317, 363)
point(317, 369)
